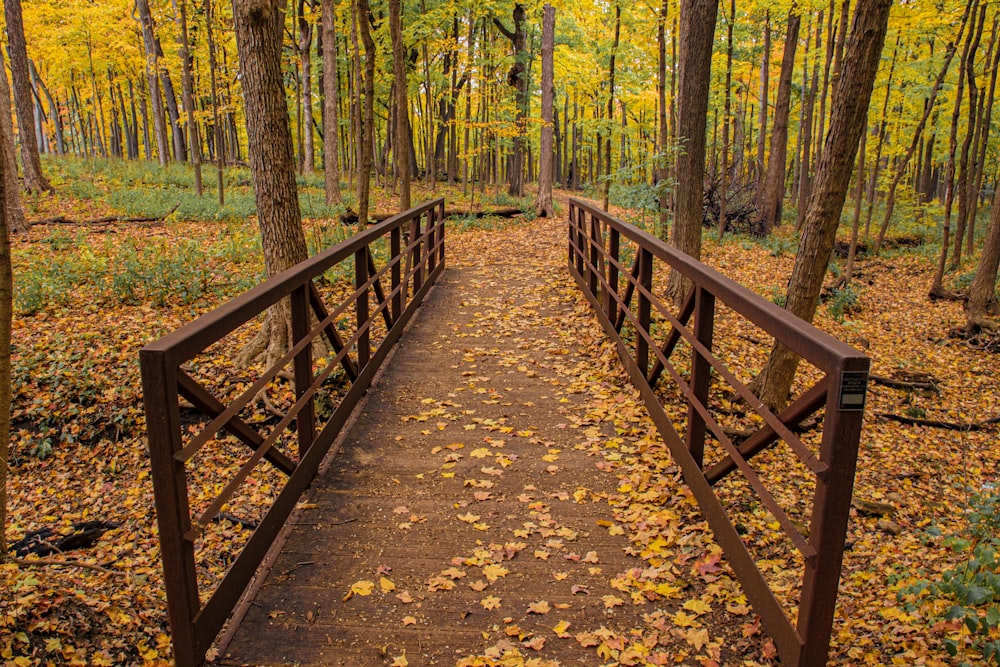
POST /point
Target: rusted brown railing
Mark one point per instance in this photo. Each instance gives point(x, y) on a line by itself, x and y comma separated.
point(414, 242)
point(598, 243)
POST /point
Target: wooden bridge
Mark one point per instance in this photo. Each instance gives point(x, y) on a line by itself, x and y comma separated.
point(465, 498)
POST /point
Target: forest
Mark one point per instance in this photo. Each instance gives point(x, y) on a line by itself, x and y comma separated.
point(838, 158)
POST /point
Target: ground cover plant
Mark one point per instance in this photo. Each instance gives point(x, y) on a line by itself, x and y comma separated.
point(919, 584)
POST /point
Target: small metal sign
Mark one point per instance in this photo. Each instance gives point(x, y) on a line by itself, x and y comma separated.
point(853, 390)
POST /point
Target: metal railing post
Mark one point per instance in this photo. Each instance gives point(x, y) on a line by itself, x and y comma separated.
point(418, 267)
point(302, 367)
point(831, 507)
point(173, 516)
point(645, 279)
point(595, 259)
point(704, 322)
point(395, 272)
point(610, 303)
point(361, 307)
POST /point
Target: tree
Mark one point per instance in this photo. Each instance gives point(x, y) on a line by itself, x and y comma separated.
point(12, 195)
point(611, 106)
point(258, 25)
point(367, 142)
point(545, 158)
point(305, 64)
point(402, 103)
point(697, 28)
point(774, 181)
point(331, 105)
point(34, 179)
point(982, 301)
point(517, 78)
point(153, 81)
point(6, 312)
point(851, 97)
point(187, 88)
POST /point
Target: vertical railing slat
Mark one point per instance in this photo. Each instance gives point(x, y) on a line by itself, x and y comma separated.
point(704, 322)
point(302, 367)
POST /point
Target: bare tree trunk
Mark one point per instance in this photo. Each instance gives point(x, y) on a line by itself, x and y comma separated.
point(258, 26)
point(367, 143)
point(852, 251)
point(611, 106)
point(774, 182)
point(982, 301)
point(34, 179)
point(876, 164)
point(851, 97)
point(153, 80)
point(663, 160)
point(518, 80)
point(984, 132)
point(187, 91)
point(937, 288)
point(697, 28)
point(545, 155)
point(764, 81)
point(14, 215)
point(805, 164)
point(890, 200)
point(220, 151)
point(402, 103)
point(331, 106)
point(724, 188)
point(6, 317)
point(305, 62)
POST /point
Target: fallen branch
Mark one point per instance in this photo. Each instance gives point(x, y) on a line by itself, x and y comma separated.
point(896, 383)
point(350, 217)
point(45, 562)
point(105, 220)
point(935, 423)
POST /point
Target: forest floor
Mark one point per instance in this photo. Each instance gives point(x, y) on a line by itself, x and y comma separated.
point(89, 296)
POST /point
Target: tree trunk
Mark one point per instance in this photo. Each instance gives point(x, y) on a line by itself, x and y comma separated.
point(611, 106)
point(876, 164)
point(833, 174)
point(774, 181)
point(305, 61)
point(805, 164)
point(402, 102)
point(982, 305)
point(15, 221)
point(937, 288)
point(53, 108)
point(258, 27)
point(727, 106)
point(697, 28)
point(890, 199)
point(153, 80)
point(663, 185)
point(517, 78)
point(543, 207)
point(220, 152)
point(984, 132)
point(6, 316)
point(34, 179)
point(331, 106)
point(187, 91)
point(367, 141)
point(764, 81)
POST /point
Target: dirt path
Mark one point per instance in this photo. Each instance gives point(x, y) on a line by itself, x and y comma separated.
point(470, 516)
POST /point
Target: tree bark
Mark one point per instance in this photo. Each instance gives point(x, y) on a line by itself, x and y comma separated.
point(774, 181)
point(517, 78)
point(697, 30)
point(331, 106)
point(611, 106)
point(367, 143)
point(153, 81)
point(6, 316)
point(34, 179)
point(220, 151)
point(765, 78)
point(543, 207)
point(981, 307)
point(305, 60)
point(727, 106)
point(258, 26)
point(851, 97)
point(402, 103)
point(11, 186)
point(187, 91)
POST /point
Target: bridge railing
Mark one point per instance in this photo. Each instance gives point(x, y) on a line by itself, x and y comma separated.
point(818, 432)
point(204, 412)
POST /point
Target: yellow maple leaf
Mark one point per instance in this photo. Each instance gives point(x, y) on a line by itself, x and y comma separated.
point(540, 607)
point(363, 587)
point(490, 602)
point(386, 585)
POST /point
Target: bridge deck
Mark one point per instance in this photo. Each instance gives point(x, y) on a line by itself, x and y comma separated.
point(470, 491)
